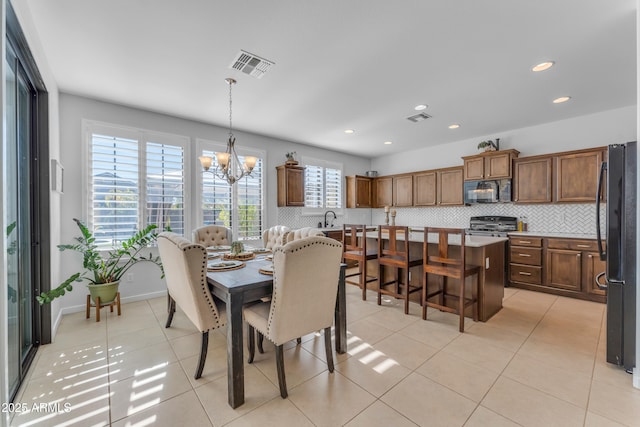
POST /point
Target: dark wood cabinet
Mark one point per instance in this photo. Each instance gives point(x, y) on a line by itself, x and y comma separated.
point(359, 192)
point(425, 188)
point(532, 180)
point(383, 191)
point(290, 185)
point(577, 176)
point(403, 190)
point(558, 266)
point(489, 165)
point(450, 186)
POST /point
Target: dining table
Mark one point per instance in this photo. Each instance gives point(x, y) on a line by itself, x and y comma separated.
point(238, 287)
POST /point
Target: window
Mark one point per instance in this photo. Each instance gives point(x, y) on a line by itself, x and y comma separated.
point(322, 185)
point(239, 207)
point(135, 178)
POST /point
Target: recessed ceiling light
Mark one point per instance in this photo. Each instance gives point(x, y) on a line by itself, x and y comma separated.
point(561, 99)
point(543, 66)
point(454, 126)
point(349, 131)
point(420, 107)
point(388, 142)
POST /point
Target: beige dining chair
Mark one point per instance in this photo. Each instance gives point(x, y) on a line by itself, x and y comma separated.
point(185, 269)
point(275, 236)
point(302, 233)
point(213, 235)
point(305, 284)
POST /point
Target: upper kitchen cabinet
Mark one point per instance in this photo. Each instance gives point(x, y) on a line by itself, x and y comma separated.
point(383, 191)
point(532, 179)
point(290, 185)
point(450, 186)
point(359, 193)
point(403, 190)
point(425, 190)
point(489, 165)
point(577, 175)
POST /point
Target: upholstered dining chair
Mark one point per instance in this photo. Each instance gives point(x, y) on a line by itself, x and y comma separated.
point(213, 235)
point(275, 236)
point(185, 269)
point(305, 284)
point(302, 233)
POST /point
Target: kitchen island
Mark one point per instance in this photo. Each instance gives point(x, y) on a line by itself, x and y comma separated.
point(485, 251)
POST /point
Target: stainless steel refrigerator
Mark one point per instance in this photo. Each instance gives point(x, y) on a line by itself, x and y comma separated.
point(619, 173)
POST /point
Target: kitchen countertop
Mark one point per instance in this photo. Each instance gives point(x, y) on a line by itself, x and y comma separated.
point(588, 236)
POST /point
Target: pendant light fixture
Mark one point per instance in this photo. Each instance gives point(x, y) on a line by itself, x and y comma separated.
point(229, 167)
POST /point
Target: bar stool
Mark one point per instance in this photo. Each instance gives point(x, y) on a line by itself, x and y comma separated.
point(446, 265)
point(356, 250)
point(393, 251)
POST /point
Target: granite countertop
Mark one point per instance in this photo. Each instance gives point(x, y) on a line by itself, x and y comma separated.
point(588, 236)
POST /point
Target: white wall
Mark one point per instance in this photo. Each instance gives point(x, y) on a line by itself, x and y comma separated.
point(593, 130)
point(73, 109)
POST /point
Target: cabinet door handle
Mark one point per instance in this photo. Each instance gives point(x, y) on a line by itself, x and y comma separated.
point(523, 273)
point(584, 246)
point(524, 255)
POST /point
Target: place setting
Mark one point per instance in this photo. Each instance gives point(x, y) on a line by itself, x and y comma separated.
point(225, 265)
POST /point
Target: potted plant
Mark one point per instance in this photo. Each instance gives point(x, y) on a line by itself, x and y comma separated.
point(103, 270)
point(489, 145)
point(291, 158)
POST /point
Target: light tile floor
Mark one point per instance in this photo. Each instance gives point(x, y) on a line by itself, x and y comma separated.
point(539, 362)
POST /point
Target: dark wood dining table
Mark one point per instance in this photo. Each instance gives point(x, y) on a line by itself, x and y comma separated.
point(247, 284)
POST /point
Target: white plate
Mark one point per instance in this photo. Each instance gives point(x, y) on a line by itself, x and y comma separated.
point(223, 265)
point(267, 269)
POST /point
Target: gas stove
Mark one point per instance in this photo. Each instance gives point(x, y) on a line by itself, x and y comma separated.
point(496, 226)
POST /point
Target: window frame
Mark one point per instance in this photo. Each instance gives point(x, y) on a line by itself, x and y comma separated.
point(324, 164)
point(198, 174)
point(142, 136)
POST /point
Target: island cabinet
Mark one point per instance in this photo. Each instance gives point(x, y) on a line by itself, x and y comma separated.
point(359, 192)
point(559, 266)
point(533, 179)
point(383, 191)
point(450, 186)
point(489, 165)
point(290, 185)
point(403, 190)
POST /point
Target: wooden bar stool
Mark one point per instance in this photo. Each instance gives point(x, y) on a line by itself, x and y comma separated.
point(446, 265)
point(98, 305)
point(393, 252)
point(355, 249)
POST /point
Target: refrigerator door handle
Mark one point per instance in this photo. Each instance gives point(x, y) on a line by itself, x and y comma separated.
point(601, 250)
point(600, 285)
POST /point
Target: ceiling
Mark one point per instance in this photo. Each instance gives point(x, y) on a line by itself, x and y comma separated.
point(357, 64)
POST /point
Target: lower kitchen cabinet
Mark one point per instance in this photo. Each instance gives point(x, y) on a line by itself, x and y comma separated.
point(559, 266)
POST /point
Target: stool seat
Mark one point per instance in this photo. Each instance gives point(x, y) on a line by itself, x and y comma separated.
point(447, 265)
point(354, 248)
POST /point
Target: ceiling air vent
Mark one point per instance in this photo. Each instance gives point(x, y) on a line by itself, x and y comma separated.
point(251, 64)
point(419, 117)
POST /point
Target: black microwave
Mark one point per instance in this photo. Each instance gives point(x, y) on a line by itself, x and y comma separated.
point(495, 191)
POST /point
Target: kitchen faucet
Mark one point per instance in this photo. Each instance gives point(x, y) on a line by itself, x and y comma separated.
point(326, 223)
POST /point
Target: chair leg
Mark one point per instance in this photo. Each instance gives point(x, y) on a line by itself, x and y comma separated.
point(118, 304)
point(299, 340)
point(424, 296)
point(461, 304)
point(327, 347)
point(362, 267)
point(280, 365)
point(475, 304)
point(203, 354)
point(380, 282)
point(408, 286)
point(172, 309)
point(260, 340)
point(251, 342)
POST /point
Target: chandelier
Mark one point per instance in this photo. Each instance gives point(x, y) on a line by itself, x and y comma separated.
point(229, 167)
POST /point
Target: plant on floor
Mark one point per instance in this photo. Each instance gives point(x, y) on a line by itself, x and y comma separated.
point(100, 266)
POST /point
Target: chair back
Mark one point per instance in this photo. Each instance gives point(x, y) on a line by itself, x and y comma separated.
point(350, 238)
point(275, 236)
point(185, 269)
point(302, 233)
point(212, 235)
point(445, 263)
point(305, 284)
point(393, 245)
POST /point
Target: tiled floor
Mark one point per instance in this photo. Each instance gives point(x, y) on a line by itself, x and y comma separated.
point(539, 362)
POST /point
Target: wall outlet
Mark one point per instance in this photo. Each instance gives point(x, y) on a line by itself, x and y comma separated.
point(486, 263)
point(129, 277)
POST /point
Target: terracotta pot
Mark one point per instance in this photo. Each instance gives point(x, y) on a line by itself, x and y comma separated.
point(107, 292)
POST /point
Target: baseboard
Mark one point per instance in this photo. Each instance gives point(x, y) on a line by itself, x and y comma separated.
point(83, 307)
point(636, 377)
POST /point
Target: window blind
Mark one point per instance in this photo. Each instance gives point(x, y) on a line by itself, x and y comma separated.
point(165, 186)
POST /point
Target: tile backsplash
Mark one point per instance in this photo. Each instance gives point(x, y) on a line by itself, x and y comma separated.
point(555, 218)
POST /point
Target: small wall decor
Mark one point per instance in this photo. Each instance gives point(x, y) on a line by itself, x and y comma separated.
point(291, 158)
point(57, 176)
point(489, 145)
